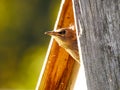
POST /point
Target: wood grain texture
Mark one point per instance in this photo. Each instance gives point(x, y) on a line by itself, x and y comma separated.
point(99, 23)
point(60, 71)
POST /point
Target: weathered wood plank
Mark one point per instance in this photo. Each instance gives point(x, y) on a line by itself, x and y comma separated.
point(98, 21)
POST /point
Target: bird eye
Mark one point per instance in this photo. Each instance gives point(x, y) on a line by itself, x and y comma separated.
point(62, 32)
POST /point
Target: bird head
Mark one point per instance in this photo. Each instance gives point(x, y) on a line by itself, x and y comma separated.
point(63, 36)
point(66, 38)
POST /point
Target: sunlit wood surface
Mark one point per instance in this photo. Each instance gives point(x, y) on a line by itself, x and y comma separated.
point(60, 70)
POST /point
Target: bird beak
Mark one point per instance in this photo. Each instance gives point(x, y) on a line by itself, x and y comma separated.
point(51, 33)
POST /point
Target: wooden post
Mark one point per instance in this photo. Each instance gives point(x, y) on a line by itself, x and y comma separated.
point(98, 21)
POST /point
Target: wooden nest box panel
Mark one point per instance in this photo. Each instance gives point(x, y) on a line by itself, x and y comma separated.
point(97, 22)
point(60, 69)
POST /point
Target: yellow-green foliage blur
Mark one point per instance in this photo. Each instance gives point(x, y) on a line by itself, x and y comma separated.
point(23, 44)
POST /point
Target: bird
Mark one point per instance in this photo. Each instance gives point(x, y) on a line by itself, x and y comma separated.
point(66, 38)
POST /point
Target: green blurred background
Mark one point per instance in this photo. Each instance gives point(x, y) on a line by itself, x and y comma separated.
point(23, 45)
